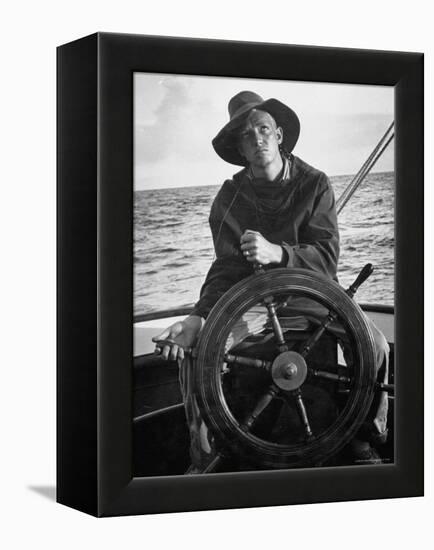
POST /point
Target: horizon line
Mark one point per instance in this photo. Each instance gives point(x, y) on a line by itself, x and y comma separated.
point(217, 184)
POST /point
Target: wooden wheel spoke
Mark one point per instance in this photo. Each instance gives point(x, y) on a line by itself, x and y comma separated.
point(313, 339)
point(275, 323)
point(317, 373)
point(261, 405)
point(301, 409)
point(247, 361)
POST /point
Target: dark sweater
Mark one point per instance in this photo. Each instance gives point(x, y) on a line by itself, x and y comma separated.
point(297, 212)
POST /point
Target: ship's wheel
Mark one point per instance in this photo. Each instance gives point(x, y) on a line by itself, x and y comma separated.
point(301, 408)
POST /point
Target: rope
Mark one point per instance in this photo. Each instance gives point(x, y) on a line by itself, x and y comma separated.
point(365, 169)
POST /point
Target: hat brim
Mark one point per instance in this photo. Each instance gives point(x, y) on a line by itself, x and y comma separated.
point(226, 141)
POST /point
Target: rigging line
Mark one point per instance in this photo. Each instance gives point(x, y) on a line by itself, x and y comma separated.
point(357, 180)
point(343, 202)
point(377, 147)
point(354, 181)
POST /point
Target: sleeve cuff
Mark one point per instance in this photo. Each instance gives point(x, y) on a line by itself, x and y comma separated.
point(288, 255)
point(200, 311)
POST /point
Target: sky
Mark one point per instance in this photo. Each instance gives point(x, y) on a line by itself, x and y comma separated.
point(177, 116)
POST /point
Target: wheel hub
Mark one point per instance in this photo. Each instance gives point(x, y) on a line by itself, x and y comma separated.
point(289, 370)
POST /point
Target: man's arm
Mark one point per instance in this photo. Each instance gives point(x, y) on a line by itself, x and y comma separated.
point(318, 246)
point(222, 275)
point(230, 266)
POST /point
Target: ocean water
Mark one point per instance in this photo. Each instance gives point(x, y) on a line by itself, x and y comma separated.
point(173, 246)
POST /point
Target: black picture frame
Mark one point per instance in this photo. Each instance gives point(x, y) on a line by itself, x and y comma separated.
point(95, 273)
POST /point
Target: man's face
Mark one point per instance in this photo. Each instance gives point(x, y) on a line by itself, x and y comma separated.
point(259, 139)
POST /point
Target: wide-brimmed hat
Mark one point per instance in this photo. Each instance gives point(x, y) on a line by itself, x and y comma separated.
point(226, 141)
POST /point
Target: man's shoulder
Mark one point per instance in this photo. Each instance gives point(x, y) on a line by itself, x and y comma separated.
point(230, 185)
point(226, 194)
point(236, 178)
point(309, 175)
point(302, 168)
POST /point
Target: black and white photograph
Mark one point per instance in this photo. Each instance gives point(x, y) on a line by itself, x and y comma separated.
point(264, 269)
point(217, 299)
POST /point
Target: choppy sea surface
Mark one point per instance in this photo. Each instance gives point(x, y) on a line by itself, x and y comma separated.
point(173, 246)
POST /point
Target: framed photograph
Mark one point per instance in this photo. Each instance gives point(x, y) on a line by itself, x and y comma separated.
point(240, 282)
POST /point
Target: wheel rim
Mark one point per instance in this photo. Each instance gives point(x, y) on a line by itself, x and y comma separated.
point(210, 354)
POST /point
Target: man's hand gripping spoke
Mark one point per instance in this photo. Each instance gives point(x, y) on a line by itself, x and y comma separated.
point(178, 339)
point(257, 250)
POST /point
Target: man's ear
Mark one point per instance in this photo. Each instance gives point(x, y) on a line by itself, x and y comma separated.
point(279, 133)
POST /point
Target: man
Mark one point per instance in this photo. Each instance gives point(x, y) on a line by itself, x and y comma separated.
point(278, 211)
